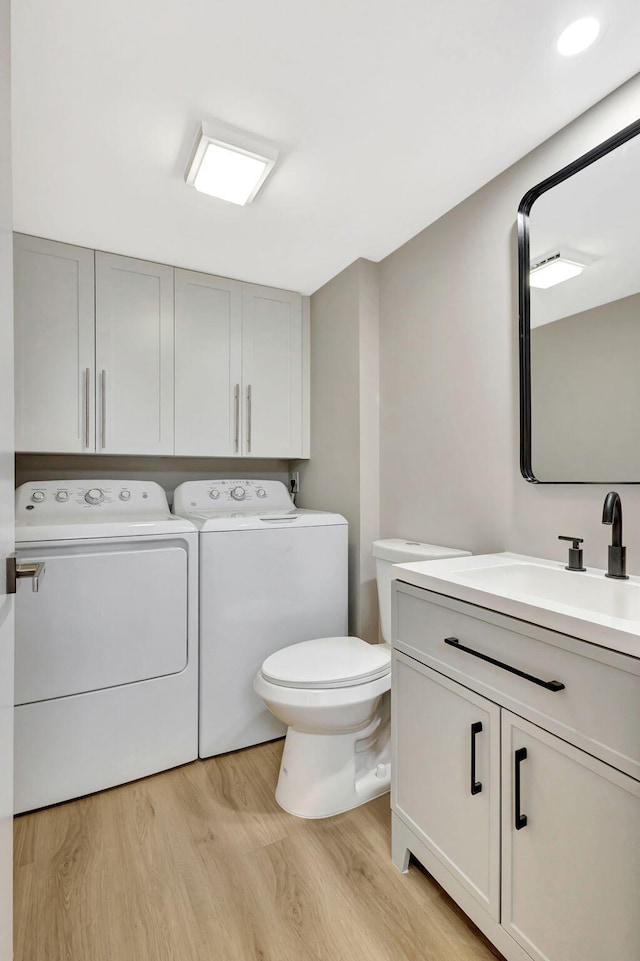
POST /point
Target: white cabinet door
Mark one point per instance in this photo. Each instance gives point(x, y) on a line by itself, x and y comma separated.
point(446, 774)
point(134, 355)
point(571, 872)
point(208, 317)
point(272, 372)
point(54, 332)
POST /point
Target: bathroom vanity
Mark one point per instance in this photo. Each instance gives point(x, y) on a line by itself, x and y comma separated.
point(516, 745)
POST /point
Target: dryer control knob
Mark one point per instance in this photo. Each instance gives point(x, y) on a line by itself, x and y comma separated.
point(261, 492)
point(214, 495)
point(125, 495)
point(62, 496)
point(238, 493)
point(94, 496)
point(38, 496)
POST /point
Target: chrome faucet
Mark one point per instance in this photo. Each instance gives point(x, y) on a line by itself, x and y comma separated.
point(612, 514)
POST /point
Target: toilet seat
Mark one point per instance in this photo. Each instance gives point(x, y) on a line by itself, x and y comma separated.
point(327, 662)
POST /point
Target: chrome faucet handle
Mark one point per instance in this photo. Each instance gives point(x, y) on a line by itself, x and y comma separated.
point(575, 553)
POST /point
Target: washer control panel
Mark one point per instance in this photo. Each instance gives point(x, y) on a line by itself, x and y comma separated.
point(66, 498)
point(231, 495)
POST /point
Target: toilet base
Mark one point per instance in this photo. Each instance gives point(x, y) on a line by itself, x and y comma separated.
point(326, 774)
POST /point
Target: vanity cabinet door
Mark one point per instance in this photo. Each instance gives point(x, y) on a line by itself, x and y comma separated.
point(571, 872)
point(451, 802)
point(272, 361)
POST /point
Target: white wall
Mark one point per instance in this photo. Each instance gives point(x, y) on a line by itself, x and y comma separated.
point(342, 474)
point(449, 445)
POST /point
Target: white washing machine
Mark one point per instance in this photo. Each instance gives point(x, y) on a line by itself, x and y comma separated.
point(270, 576)
point(106, 686)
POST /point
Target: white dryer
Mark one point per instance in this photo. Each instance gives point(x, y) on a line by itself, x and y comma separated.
point(106, 686)
point(270, 576)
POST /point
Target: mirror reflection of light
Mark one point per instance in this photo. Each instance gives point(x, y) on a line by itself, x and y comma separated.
point(578, 36)
point(555, 272)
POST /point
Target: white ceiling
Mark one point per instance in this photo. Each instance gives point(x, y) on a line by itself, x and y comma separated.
point(387, 113)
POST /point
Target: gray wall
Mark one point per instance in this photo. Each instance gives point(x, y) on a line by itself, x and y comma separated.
point(585, 394)
point(342, 474)
point(449, 440)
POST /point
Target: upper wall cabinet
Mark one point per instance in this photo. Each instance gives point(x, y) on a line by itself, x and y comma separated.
point(239, 369)
point(55, 385)
point(134, 356)
point(124, 356)
point(272, 371)
point(94, 357)
point(208, 364)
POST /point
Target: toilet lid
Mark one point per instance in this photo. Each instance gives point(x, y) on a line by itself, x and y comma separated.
point(327, 662)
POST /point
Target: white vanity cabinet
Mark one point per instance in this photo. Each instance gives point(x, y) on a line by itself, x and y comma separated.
point(447, 750)
point(239, 368)
point(547, 861)
point(54, 346)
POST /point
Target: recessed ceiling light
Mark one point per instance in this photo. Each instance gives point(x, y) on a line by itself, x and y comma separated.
point(578, 36)
point(229, 164)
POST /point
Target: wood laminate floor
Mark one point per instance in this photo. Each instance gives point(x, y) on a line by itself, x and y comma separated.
point(200, 864)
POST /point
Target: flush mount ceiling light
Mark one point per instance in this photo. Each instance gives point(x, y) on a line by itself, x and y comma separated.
point(578, 36)
point(229, 164)
point(555, 268)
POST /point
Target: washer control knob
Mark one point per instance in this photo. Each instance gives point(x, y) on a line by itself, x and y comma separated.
point(238, 493)
point(94, 496)
point(261, 492)
point(214, 494)
point(38, 496)
point(125, 495)
point(62, 496)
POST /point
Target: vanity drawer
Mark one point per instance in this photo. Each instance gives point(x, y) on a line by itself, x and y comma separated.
point(599, 707)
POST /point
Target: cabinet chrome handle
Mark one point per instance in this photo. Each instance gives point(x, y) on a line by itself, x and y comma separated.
point(33, 569)
point(236, 418)
point(249, 419)
point(476, 786)
point(103, 407)
point(87, 406)
point(549, 685)
point(520, 819)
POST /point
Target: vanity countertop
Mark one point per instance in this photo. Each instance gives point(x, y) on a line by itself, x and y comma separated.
point(586, 605)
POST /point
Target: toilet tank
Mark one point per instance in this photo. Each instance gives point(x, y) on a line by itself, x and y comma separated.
point(395, 550)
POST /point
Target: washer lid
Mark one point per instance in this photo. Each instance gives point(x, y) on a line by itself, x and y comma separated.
point(327, 662)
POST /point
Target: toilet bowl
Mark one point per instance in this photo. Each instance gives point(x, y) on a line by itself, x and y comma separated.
point(333, 693)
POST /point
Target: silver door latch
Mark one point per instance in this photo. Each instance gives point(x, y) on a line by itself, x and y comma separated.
point(33, 569)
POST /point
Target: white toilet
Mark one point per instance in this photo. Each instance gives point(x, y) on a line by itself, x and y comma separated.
point(333, 693)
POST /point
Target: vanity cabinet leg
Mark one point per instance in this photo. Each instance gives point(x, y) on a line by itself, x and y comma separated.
point(400, 853)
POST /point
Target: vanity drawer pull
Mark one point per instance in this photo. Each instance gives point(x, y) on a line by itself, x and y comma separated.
point(476, 786)
point(549, 685)
point(520, 819)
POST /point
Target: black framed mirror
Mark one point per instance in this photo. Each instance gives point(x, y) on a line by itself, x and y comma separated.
point(579, 299)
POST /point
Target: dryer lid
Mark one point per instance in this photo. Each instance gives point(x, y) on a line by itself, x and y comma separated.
point(327, 662)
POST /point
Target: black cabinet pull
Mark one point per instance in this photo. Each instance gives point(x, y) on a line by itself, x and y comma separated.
point(521, 819)
point(549, 685)
point(476, 786)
